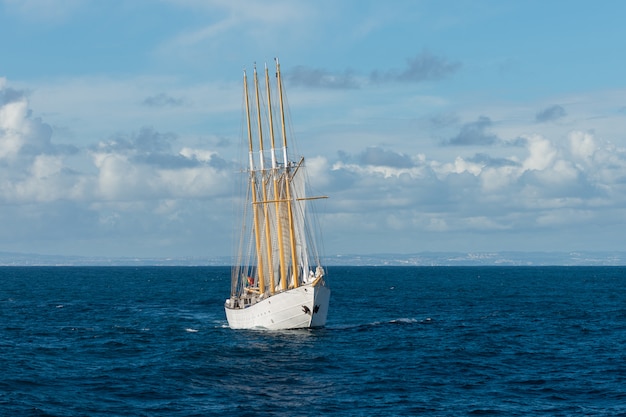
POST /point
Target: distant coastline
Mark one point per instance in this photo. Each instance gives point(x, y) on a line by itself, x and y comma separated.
point(574, 258)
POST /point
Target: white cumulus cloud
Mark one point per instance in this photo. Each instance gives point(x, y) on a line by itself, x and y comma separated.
point(132, 184)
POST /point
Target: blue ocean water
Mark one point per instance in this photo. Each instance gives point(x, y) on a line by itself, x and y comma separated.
point(440, 341)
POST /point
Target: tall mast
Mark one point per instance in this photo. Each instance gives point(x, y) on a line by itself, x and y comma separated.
point(248, 122)
point(266, 218)
point(292, 234)
point(269, 114)
point(255, 212)
point(282, 112)
point(279, 222)
point(258, 106)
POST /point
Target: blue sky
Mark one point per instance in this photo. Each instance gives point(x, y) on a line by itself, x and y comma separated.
point(433, 126)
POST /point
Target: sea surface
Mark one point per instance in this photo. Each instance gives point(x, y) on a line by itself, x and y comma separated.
point(400, 341)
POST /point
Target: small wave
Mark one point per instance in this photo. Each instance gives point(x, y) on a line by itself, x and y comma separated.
point(400, 321)
point(404, 321)
point(407, 320)
point(190, 330)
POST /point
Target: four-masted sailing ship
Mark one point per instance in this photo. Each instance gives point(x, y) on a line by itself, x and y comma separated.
point(277, 281)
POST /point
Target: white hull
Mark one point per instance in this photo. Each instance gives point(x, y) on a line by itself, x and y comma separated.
point(297, 308)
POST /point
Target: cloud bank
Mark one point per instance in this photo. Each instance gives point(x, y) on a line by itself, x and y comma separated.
point(128, 185)
point(149, 193)
point(577, 185)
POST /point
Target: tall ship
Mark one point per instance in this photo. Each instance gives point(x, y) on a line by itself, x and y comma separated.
point(277, 281)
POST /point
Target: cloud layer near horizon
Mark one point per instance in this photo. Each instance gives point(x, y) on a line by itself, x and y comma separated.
point(145, 186)
point(123, 186)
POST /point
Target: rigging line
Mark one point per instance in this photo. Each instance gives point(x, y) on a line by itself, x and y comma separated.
point(296, 199)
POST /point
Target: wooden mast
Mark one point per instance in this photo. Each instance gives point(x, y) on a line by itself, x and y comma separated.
point(279, 223)
point(268, 238)
point(255, 214)
point(292, 234)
